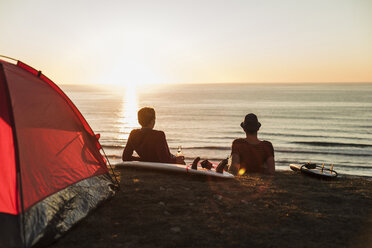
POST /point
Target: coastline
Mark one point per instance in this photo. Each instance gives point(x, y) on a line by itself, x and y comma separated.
point(157, 209)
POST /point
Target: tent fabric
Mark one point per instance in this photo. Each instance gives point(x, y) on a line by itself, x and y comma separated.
point(53, 142)
point(56, 88)
point(8, 186)
point(53, 217)
point(48, 152)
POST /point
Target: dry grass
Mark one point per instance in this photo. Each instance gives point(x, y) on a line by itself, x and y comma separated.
point(156, 209)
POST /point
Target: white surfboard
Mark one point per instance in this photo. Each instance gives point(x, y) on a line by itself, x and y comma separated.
point(317, 172)
point(174, 167)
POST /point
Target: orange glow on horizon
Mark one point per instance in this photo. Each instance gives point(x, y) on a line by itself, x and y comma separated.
point(205, 42)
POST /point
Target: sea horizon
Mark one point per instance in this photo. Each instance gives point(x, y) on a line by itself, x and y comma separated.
point(321, 123)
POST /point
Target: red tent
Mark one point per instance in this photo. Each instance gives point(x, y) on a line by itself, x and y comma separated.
point(51, 170)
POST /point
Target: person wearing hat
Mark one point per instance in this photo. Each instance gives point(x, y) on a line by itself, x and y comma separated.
point(249, 154)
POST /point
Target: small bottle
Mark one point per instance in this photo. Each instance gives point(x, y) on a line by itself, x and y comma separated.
point(179, 152)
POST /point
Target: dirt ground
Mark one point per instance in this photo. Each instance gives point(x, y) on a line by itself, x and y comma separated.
point(157, 209)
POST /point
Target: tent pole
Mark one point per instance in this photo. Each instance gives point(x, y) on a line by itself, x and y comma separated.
point(6, 57)
point(113, 172)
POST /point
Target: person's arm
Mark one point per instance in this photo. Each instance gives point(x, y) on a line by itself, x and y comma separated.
point(234, 167)
point(270, 165)
point(163, 152)
point(128, 150)
point(180, 160)
point(270, 161)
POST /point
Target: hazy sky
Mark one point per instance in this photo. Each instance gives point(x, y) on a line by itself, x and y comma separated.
point(170, 41)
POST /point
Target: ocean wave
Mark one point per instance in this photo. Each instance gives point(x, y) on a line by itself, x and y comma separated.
point(325, 153)
point(365, 127)
point(320, 129)
point(224, 137)
point(113, 146)
point(220, 148)
point(334, 144)
point(293, 135)
point(308, 136)
point(113, 156)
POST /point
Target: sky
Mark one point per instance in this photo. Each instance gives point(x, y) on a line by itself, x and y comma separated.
point(205, 41)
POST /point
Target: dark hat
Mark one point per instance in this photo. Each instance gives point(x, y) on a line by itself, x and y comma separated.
point(250, 123)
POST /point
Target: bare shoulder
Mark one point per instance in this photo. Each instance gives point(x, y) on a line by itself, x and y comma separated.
point(159, 133)
point(238, 141)
point(135, 131)
point(267, 143)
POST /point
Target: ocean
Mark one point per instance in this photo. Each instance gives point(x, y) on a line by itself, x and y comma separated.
point(318, 123)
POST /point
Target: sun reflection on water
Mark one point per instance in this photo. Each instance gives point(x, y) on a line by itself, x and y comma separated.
point(128, 120)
